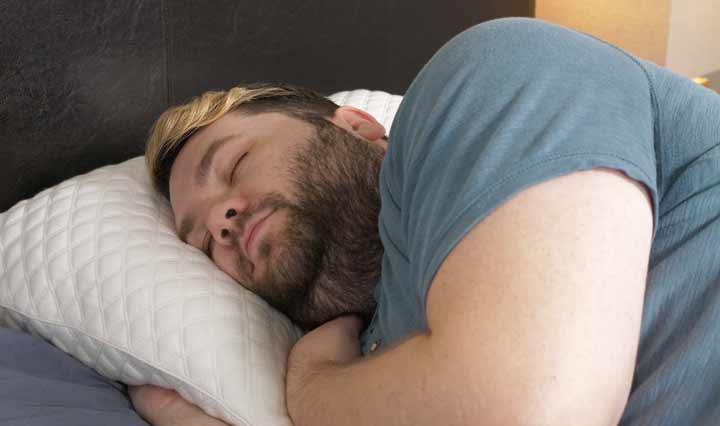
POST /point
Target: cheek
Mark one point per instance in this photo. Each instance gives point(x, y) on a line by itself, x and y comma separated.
point(226, 262)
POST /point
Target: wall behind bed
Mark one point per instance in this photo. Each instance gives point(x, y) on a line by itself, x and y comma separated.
point(81, 82)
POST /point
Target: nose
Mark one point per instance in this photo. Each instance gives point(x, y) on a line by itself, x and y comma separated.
point(224, 224)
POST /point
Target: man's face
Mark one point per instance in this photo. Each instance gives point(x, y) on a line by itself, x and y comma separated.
point(288, 210)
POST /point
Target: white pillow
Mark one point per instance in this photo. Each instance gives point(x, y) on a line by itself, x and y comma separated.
point(94, 265)
point(380, 105)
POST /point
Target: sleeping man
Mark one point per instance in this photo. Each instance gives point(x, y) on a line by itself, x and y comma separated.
point(534, 243)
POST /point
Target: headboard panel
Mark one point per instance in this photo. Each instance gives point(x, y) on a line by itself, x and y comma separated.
point(80, 87)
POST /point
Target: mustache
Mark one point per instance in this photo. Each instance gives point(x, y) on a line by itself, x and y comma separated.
point(272, 201)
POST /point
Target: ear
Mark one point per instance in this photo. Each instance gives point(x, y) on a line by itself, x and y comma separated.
point(359, 123)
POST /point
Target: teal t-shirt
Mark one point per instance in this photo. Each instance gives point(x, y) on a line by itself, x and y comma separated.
point(513, 102)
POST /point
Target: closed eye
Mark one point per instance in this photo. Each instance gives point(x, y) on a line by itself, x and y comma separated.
point(237, 163)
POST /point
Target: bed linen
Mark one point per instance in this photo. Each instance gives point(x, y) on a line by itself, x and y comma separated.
point(41, 385)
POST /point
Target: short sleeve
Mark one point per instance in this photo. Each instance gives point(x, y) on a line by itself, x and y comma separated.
point(502, 106)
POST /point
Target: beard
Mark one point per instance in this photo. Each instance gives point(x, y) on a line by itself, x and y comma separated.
point(326, 261)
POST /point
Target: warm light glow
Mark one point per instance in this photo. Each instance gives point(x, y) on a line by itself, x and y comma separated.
point(638, 26)
point(679, 34)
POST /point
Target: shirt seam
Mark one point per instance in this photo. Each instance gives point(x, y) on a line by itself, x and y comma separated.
point(657, 135)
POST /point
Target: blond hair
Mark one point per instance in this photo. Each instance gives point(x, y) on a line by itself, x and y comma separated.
point(177, 124)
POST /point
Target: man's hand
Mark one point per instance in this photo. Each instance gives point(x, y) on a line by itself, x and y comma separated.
point(334, 343)
point(164, 407)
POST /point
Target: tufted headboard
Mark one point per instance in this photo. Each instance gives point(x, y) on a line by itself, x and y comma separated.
point(82, 82)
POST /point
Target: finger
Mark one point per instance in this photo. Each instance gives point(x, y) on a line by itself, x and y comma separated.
point(143, 391)
point(136, 392)
point(156, 404)
point(149, 398)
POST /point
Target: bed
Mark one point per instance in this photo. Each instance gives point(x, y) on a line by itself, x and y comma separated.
point(80, 85)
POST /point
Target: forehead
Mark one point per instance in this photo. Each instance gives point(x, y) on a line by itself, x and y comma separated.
point(239, 121)
point(250, 125)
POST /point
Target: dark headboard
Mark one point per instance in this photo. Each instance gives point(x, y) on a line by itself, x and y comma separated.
point(81, 82)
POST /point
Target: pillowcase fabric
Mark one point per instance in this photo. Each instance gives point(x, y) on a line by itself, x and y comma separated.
point(94, 266)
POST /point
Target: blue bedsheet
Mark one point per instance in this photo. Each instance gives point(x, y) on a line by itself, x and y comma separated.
point(42, 386)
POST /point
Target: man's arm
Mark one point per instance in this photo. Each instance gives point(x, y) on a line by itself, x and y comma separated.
point(534, 318)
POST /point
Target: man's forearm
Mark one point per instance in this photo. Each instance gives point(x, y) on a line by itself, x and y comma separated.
point(401, 386)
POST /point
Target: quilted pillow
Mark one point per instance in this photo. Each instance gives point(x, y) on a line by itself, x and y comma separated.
point(94, 265)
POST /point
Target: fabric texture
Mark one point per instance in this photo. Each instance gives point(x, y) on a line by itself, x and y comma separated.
point(514, 102)
point(94, 265)
point(40, 386)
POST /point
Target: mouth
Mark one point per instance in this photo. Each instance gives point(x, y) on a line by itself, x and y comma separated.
point(250, 234)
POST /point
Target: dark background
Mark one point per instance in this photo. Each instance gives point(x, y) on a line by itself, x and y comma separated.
point(81, 82)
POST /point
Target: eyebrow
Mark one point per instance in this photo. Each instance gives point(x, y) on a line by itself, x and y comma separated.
point(188, 223)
